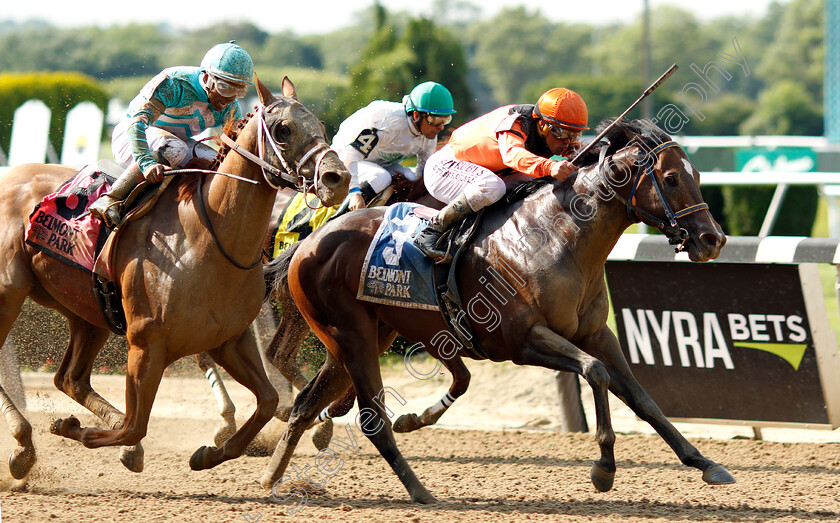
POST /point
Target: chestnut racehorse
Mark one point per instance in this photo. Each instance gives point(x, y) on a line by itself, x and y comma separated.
point(543, 254)
point(188, 273)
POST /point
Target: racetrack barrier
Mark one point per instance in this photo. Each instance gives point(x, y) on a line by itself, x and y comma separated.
point(744, 339)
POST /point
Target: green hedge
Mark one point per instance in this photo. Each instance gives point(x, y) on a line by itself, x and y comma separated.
point(60, 91)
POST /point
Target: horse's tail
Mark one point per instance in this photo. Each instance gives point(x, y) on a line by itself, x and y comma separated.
point(276, 274)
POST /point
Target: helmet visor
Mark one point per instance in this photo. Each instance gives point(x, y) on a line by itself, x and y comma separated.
point(229, 89)
point(564, 134)
point(437, 119)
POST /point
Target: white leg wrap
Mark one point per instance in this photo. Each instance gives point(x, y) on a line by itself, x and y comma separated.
point(445, 402)
point(324, 415)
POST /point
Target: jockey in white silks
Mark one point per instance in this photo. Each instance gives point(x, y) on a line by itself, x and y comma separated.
point(375, 139)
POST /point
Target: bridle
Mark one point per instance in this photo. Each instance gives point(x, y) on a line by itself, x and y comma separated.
point(286, 172)
point(676, 235)
point(272, 175)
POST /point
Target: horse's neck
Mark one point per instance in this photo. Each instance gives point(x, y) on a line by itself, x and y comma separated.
point(585, 216)
point(243, 207)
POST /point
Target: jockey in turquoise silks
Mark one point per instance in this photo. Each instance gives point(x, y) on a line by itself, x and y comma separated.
point(176, 105)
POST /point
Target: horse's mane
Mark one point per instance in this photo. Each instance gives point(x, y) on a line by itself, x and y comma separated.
point(232, 128)
point(618, 137)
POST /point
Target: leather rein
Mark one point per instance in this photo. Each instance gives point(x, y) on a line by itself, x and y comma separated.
point(676, 235)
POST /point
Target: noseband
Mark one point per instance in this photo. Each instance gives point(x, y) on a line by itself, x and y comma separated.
point(676, 235)
point(287, 172)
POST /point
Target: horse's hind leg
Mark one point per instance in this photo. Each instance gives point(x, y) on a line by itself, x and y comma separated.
point(73, 378)
point(241, 359)
point(227, 409)
point(430, 416)
point(330, 382)
point(624, 385)
point(282, 352)
point(546, 348)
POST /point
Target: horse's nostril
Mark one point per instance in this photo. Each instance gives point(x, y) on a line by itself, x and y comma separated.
point(713, 240)
point(331, 178)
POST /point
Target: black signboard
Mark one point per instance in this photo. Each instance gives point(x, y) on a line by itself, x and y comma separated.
point(719, 341)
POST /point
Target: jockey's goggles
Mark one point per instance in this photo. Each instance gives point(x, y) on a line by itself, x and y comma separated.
point(437, 119)
point(564, 134)
point(229, 89)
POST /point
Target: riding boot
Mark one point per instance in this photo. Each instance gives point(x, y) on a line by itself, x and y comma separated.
point(427, 240)
point(108, 207)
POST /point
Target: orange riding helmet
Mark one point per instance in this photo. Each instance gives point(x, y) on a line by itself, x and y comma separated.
point(562, 107)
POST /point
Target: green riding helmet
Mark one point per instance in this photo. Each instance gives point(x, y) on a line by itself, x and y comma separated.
point(431, 98)
point(229, 62)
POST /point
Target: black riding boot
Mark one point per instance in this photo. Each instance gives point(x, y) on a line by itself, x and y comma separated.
point(427, 240)
point(108, 207)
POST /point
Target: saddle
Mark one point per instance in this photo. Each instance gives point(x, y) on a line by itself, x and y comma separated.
point(136, 205)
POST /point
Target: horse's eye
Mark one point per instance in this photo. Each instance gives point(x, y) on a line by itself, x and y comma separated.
point(671, 180)
point(281, 133)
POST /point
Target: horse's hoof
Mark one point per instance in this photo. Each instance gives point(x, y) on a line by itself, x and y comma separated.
point(322, 435)
point(718, 475)
point(132, 457)
point(407, 423)
point(266, 482)
point(201, 458)
point(62, 427)
point(223, 433)
point(20, 462)
point(424, 498)
point(601, 479)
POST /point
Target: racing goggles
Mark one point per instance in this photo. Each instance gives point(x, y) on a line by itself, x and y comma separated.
point(564, 134)
point(229, 89)
point(437, 119)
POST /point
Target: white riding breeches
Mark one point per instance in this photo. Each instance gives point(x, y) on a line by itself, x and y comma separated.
point(447, 177)
point(379, 177)
point(175, 151)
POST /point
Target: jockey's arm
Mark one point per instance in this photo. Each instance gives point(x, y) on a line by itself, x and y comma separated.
point(518, 158)
point(148, 112)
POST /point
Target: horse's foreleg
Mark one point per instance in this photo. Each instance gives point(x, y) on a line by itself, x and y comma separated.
point(144, 372)
point(624, 385)
point(330, 382)
point(73, 378)
point(546, 348)
point(430, 416)
point(23, 457)
point(363, 365)
point(227, 409)
point(241, 359)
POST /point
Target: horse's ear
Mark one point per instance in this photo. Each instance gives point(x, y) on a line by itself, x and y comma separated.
point(289, 90)
point(263, 92)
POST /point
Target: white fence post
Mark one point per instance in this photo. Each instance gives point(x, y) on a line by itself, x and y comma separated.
point(82, 135)
point(30, 133)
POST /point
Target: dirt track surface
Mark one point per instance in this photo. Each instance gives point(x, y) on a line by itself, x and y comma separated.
point(512, 474)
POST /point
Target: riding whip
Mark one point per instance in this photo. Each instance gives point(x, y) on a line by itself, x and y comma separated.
point(649, 90)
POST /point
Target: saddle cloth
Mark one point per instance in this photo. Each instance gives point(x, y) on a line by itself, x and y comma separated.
point(395, 272)
point(60, 225)
point(302, 215)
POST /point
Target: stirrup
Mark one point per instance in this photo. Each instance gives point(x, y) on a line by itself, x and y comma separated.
point(107, 211)
point(427, 241)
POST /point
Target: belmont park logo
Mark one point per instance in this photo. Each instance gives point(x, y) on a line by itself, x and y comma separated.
point(699, 341)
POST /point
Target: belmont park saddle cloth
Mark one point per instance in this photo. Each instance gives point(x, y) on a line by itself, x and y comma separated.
point(61, 227)
point(396, 273)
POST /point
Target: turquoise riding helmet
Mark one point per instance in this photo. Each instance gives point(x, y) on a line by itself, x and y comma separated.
point(229, 62)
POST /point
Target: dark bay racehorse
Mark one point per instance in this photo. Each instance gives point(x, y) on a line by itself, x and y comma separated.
point(188, 272)
point(543, 255)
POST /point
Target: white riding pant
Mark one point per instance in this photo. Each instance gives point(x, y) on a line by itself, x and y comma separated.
point(446, 178)
point(174, 150)
point(379, 177)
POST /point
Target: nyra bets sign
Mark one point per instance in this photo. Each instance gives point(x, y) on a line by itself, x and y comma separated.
point(720, 341)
